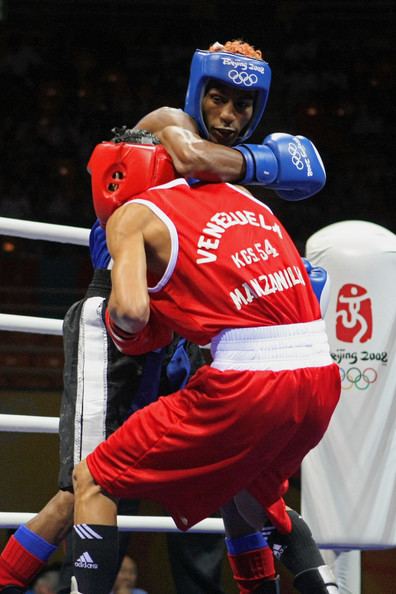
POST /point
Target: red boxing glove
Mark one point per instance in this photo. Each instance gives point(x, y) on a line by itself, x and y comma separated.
point(154, 335)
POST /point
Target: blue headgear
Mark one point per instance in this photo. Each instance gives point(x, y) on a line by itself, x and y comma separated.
point(234, 70)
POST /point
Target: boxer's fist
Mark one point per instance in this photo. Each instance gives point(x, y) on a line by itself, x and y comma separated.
point(290, 165)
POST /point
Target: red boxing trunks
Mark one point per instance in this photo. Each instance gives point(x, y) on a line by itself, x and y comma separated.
point(227, 430)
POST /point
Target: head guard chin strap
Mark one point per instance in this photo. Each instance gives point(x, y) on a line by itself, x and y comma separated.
point(241, 72)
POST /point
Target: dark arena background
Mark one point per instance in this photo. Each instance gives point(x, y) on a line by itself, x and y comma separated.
point(70, 71)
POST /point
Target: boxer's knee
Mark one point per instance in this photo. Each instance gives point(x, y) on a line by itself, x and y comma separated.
point(83, 482)
point(92, 504)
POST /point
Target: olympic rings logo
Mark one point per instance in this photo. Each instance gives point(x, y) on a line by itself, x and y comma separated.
point(296, 156)
point(354, 377)
point(243, 78)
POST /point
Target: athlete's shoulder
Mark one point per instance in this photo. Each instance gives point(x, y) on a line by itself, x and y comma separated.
point(166, 111)
point(157, 120)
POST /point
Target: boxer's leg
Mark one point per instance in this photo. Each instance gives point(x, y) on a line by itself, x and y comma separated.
point(249, 555)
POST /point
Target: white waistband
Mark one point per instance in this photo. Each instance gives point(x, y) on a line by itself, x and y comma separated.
point(273, 348)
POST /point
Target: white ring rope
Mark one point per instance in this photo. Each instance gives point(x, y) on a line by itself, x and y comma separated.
point(127, 523)
point(44, 231)
point(28, 424)
point(31, 424)
point(15, 323)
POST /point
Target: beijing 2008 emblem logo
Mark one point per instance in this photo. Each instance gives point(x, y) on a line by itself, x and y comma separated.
point(354, 319)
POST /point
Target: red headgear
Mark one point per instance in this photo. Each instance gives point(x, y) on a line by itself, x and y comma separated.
point(120, 171)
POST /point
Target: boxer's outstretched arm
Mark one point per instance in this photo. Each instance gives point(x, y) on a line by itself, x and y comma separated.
point(193, 157)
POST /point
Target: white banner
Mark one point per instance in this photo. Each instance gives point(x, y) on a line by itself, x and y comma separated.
point(349, 479)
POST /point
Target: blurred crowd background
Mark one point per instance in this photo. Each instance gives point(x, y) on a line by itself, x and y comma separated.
point(70, 71)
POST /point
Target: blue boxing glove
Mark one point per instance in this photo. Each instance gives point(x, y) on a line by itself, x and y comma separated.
point(100, 256)
point(290, 165)
point(320, 283)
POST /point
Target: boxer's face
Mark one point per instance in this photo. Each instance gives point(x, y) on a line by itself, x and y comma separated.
point(226, 111)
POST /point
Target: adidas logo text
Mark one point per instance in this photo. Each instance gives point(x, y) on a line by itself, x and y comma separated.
point(86, 561)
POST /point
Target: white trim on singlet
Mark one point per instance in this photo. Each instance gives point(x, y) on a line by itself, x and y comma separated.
point(179, 181)
point(173, 237)
point(91, 397)
point(272, 348)
point(247, 194)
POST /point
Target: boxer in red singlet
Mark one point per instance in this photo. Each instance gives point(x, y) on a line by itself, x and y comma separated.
point(215, 265)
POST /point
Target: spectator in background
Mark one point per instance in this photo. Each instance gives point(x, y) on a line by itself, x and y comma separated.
point(126, 578)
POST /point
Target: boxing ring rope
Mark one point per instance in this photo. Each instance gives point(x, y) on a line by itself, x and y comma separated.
point(44, 231)
point(37, 424)
point(128, 523)
point(28, 424)
point(16, 323)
